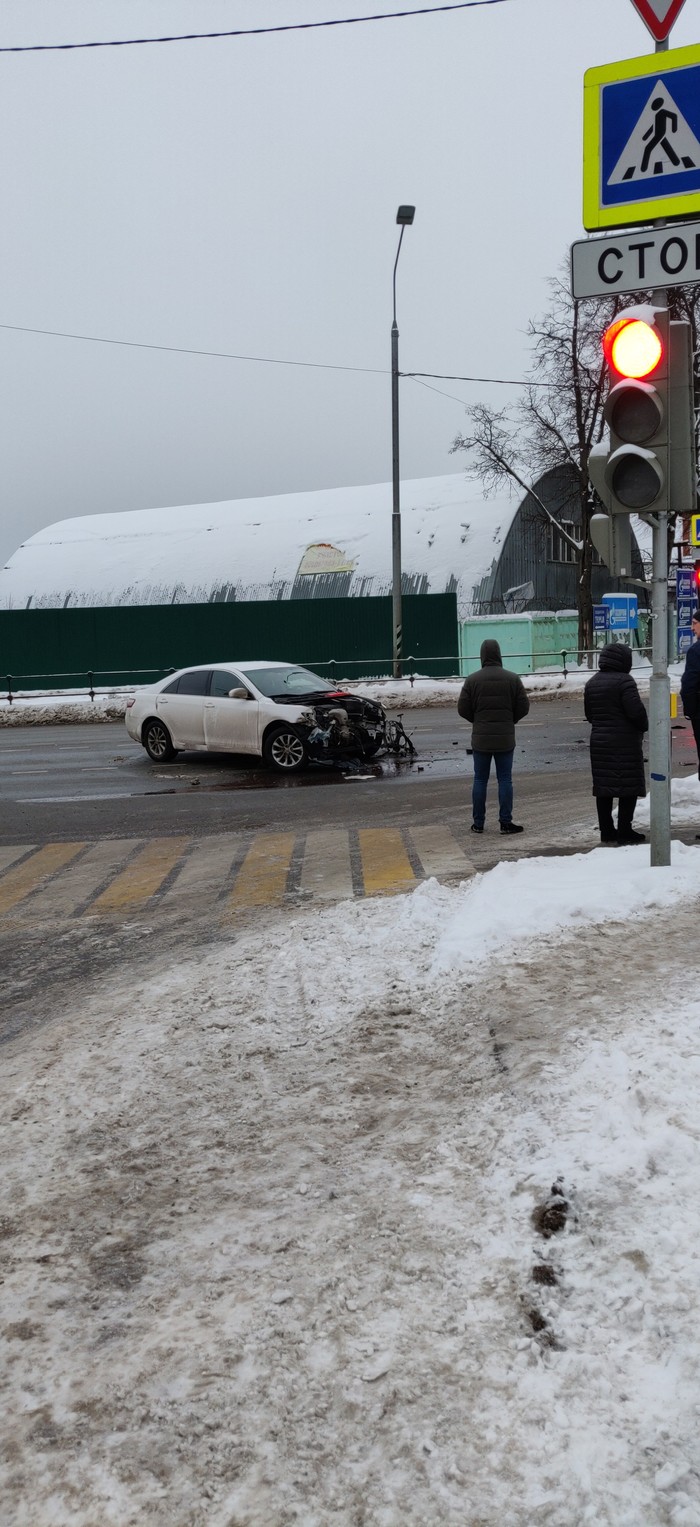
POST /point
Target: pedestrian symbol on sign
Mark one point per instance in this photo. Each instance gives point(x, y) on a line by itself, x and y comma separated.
point(661, 143)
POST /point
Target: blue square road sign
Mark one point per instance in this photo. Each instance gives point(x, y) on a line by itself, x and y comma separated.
point(641, 157)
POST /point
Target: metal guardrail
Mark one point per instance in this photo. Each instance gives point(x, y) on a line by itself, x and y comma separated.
point(14, 686)
point(569, 659)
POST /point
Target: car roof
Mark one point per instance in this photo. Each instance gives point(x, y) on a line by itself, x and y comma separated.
point(232, 662)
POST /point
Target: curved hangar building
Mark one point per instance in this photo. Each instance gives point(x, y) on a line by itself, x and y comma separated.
point(495, 553)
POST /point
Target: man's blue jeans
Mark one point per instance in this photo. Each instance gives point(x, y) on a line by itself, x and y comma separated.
point(504, 773)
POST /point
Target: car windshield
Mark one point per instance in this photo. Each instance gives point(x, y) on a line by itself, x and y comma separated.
point(286, 681)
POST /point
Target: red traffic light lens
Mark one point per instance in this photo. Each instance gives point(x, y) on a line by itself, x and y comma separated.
point(632, 347)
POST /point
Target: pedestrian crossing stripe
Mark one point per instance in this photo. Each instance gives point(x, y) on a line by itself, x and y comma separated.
point(641, 157)
point(224, 876)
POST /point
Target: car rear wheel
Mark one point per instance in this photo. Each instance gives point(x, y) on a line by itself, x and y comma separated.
point(158, 742)
point(285, 750)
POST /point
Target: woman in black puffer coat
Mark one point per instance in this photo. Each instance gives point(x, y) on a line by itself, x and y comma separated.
point(618, 722)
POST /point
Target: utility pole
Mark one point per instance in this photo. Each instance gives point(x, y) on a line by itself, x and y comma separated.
point(404, 217)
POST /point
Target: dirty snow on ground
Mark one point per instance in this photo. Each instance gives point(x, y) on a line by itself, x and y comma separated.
point(394, 694)
point(278, 1235)
point(685, 803)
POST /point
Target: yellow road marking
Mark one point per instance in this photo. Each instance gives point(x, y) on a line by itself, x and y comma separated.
point(17, 883)
point(65, 893)
point(262, 877)
point(142, 877)
point(385, 863)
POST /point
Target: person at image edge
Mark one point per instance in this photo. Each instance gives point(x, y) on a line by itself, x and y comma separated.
point(494, 700)
point(690, 683)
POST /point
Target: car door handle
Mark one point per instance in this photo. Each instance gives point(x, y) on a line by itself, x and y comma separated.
point(210, 705)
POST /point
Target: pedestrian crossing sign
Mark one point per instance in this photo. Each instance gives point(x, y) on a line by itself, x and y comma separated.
point(695, 529)
point(641, 139)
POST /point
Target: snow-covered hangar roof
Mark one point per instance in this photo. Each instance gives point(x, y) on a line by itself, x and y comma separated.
point(336, 541)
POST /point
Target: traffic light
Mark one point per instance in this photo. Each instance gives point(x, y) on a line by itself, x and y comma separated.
point(631, 471)
point(696, 579)
point(646, 464)
point(612, 537)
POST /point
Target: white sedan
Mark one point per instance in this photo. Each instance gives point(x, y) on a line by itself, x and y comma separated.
point(276, 711)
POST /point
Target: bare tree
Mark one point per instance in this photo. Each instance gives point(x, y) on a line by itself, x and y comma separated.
point(560, 415)
point(555, 422)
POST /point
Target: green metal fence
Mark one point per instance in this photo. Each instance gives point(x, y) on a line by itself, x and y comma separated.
point(339, 638)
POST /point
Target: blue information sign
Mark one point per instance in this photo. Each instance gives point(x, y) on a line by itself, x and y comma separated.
point(622, 610)
point(685, 604)
point(601, 617)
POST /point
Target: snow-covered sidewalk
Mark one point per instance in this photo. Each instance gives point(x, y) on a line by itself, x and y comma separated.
point(274, 1236)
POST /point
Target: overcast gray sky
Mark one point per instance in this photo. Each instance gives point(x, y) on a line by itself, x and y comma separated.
point(240, 195)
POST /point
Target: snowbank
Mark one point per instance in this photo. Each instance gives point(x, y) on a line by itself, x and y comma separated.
point(276, 1221)
point(685, 803)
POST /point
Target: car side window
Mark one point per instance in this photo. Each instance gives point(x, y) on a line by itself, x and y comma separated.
point(194, 683)
point(171, 689)
point(222, 682)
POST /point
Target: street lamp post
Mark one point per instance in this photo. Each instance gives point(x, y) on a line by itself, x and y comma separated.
point(404, 217)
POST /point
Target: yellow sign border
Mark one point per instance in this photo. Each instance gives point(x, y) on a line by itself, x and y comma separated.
point(646, 211)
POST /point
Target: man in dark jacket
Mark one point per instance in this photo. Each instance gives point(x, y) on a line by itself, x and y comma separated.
point(618, 722)
point(690, 684)
point(493, 699)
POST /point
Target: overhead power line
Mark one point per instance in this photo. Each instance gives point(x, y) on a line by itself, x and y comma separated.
point(502, 381)
point(224, 355)
point(290, 26)
point(268, 360)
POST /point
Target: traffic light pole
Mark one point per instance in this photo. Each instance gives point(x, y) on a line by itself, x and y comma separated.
point(660, 688)
point(659, 700)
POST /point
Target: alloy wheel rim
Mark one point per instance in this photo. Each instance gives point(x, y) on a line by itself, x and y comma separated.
point(156, 738)
point(287, 750)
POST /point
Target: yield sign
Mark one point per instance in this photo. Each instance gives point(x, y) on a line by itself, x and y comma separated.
point(659, 15)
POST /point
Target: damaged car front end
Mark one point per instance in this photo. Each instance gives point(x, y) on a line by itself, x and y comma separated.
point(342, 725)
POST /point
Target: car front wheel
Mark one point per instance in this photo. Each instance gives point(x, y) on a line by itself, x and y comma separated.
point(285, 750)
point(158, 742)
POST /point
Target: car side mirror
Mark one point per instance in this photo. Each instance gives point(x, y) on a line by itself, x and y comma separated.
point(238, 694)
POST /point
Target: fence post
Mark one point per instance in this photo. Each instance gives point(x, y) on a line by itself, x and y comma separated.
point(412, 672)
point(8, 676)
point(563, 658)
point(92, 691)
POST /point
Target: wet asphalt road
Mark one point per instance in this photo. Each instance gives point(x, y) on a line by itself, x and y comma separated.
point(93, 781)
point(61, 780)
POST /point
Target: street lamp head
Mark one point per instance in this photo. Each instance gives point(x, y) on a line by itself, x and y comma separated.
point(405, 215)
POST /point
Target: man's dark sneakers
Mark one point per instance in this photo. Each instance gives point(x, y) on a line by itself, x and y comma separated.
point(475, 828)
point(511, 827)
point(631, 837)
